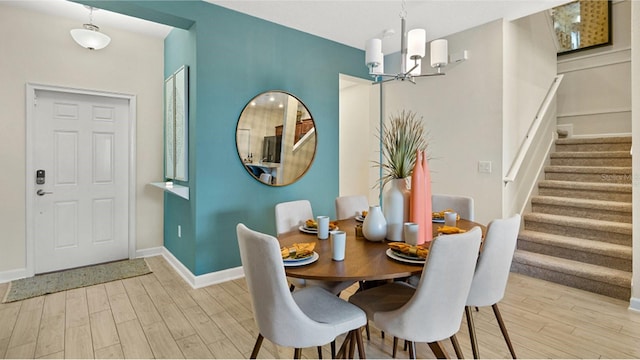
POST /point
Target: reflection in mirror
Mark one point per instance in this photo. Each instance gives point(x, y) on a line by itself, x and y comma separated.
point(276, 138)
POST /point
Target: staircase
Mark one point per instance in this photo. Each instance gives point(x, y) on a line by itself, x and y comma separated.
point(579, 231)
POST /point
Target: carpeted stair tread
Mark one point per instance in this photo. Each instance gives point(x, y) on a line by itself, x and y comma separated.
point(592, 246)
point(589, 224)
point(583, 203)
point(591, 154)
point(588, 169)
point(597, 140)
point(575, 268)
point(591, 186)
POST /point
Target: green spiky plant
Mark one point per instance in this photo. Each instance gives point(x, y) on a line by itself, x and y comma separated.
point(400, 138)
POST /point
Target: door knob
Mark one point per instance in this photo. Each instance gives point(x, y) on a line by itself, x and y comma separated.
point(41, 192)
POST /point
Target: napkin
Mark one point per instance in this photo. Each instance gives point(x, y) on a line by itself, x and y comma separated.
point(450, 230)
point(297, 250)
point(440, 214)
point(405, 248)
point(312, 224)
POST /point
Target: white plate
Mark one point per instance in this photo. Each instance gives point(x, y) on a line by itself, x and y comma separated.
point(360, 218)
point(307, 230)
point(439, 221)
point(302, 262)
point(393, 255)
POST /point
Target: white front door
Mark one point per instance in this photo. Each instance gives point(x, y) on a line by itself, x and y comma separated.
point(80, 212)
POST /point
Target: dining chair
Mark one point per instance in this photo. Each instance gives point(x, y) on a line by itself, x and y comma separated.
point(304, 318)
point(349, 206)
point(289, 216)
point(433, 311)
point(492, 273)
point(463, 205)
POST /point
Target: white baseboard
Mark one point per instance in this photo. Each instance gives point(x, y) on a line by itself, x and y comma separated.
point(149, 252)
point(10, 275)
point(200, 280)
point(634, 304)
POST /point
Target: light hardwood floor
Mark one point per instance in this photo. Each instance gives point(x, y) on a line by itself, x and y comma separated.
point(159, 316)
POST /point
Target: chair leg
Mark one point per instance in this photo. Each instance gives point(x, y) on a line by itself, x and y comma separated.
point(256, 347)
point(503, 329)
point(412, 350)
point(438, 350)
point(297, 353)
point(361, 353)
point(333, 349)
point(366, 328)
point(472, 333)
point(395, 346)
point(456, 347)
point(352, 343)
point(342, 353)
point(319, 352)
point(291, 288)
point(382, 334)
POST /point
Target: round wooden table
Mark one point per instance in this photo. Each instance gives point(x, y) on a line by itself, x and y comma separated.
point(364, 259)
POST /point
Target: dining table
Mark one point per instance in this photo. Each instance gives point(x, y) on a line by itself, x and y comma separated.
point(364, 260)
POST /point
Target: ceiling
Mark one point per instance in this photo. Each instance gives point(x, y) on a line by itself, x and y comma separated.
point(353, 22)
point(349, 22)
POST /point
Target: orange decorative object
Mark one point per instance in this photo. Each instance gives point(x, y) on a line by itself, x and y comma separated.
point(417, 203)
point(427, 195)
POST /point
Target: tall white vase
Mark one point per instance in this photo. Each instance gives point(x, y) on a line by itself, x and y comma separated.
point(395, 207)
point(374, 227)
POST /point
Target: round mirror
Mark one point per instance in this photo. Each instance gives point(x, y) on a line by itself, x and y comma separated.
point(276, 138)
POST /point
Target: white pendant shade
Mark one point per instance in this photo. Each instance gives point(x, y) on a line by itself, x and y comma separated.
point(373, 49)
point(417, 39)
point(90, 39)
point(439, 53)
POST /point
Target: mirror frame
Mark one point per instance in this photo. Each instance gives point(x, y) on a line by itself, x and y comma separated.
point(242, 126)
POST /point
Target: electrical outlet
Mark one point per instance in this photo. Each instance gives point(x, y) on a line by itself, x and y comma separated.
point(484, 167)
point(179, 231)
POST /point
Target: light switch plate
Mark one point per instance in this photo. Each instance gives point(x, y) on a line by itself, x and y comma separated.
point(484, 167)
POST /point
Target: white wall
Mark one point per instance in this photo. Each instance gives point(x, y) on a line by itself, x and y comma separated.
point(37, 48)
point(595, 95)
point(530, 64)
point(354, 136)
point(462, 113)
point(635, 71)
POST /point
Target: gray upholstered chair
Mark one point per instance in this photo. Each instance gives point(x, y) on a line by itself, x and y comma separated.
point(305, 318)
point(433, 311)
point(289, 216)
point(350, 205)
point(463, 205)
point(492, 273)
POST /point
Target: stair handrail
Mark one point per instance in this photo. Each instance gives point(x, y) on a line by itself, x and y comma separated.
point(533, 129)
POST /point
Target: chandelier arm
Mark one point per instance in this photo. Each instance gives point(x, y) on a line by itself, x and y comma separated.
point(431, 74)
point(410, 70)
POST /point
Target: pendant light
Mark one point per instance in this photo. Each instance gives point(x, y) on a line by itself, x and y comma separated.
point(89, 36)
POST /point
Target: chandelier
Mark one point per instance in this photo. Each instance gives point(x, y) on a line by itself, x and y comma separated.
point(412, 52)
point(89, 36)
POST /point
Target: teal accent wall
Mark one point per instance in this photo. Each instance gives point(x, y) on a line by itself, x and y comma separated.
point(233, 57)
